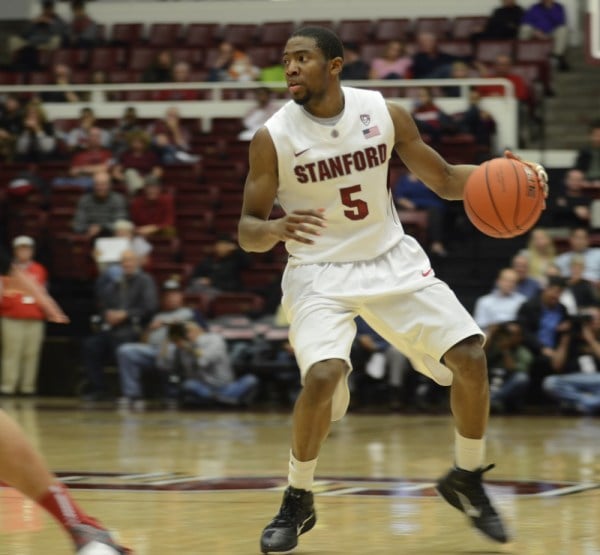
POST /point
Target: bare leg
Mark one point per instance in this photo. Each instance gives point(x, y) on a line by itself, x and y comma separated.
point(312, 412)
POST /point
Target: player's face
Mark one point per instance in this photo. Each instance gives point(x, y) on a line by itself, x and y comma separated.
point(307, 72)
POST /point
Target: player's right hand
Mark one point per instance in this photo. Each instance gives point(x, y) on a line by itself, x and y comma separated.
point(298, 224)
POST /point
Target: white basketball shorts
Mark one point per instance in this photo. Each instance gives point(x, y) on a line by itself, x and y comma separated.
point(397, 294)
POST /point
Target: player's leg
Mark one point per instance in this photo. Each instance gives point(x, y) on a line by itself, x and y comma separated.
point(24, 469)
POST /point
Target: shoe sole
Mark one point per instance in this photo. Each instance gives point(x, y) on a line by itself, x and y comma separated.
point(309, 525)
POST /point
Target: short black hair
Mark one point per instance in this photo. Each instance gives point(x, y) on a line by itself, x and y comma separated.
point(556, 281)
point(327, 41)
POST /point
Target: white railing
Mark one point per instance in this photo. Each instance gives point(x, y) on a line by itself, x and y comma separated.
point(504, 109)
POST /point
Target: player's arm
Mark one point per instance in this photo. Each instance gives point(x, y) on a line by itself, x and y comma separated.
point(446, 180)
point(256, 233)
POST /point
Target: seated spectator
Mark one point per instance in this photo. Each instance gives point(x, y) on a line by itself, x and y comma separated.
point(11, 120)
point(36, 142)
point(124, 308)
point(503, 70)
point(571, 207)
point(428, 62)
point(477, 122)
point(161, 70)
point(172, 139)
point(394, 64)
point(204, 369)
point(22, 324)
point(547, 19)
point(567, 299)
point(140, 162)
point(526, 285)
point(86, 163)
point(129, 123)
point(153, 211)
point(540, 253)
point(579, 240)
point(108, 250)
point(220, 271)
point(61, 75)
point(509, 362)
point(78, 137)
point(232, 65)
point(84, 31)
point(588, 158)
point(502, 304)
point(355, 68)
point(153, 352)
point(181, 74)
point(47, 31)
point(584, 291)
point(100, 77)
point(257, 116)
point(98, 210)
point(503, 23)
point(458, 70)
point(431, 120)
point(579, 389)
point(411, 194)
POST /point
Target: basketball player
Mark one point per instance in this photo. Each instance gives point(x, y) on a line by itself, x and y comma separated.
point(23, 468)
point(325, 157)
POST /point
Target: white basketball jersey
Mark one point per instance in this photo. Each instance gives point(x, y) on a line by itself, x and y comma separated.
point(342, 169)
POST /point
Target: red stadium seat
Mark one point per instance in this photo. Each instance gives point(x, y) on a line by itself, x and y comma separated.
point(164, 34)
point(439, 26)
point(106, 58)
point(40, 78)
point(127, 33)
point(533, 50)
point(9, 78)
point(141, 57)
point(200, 35)
point(357, 30)
point(264, 56)
point(488, 50)
point(65, 196)
point(124, 76)
point(460, 48)
point(241, 35)
point(193, 56)
point(72, 57)
point(464, 26)
point(275, 33)
point(370, 51)
point(391, 29)
point(328, 23)
point(247, 304)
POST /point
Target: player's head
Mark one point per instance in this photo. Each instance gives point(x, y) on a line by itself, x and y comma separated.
point(313, 59)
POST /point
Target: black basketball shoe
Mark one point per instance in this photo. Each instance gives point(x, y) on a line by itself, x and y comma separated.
point(295, 517)
point(464, 490)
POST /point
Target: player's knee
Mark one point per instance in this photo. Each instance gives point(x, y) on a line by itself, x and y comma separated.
point(467, 360)
point(322, 379)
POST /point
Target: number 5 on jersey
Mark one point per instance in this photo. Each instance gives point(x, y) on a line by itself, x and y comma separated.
point(360, 209)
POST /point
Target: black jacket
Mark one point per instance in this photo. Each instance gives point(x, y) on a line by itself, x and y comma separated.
point(529, 316)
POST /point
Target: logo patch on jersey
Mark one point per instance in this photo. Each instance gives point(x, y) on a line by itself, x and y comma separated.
point(371, 132)
point(301, 152)
point(365, 118)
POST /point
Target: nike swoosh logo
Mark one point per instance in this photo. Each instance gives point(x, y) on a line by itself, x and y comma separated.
point(301, 526)
point(467, 505)
point(301, 152)
point(426, 273)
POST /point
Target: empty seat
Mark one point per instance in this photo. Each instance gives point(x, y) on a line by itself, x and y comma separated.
point(40, 78)
point(71, 57)
point(264, 56)
point(439, 26)
point(127, 33)
point(106, 58)
point(464, 26)
point(533, 50)
point(193, 56)
point(200, 35)
point(370, 51)
point(460, 48)
point(275, 32)
point(357, 30)
point(9, 78)
point(241, 35)
point(391, 29)
point(164, 34)
point(488, 50)
point(236, 303)
point(141, 57)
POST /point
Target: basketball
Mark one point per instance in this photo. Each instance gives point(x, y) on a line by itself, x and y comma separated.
point(503, 198)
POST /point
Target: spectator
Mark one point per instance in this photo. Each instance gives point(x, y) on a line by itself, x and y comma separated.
point(153, 212)
point(394, 64)
point(503, 70)
point(153, 353)
point(567, 299)
point(544, 322)
point(431, 120)
point(108, 250)
point(526, 285)
point(458, 70)
point(257, 116)
point(36, 142)
point(547, 19)
point(84, 31)
point(129, 123)
point(181, 74)
point(477, 122)
point(509, 362)
point(579, 390)
point(584, 291)
point(61, 75)
point(100, 77)
point(45, 32)
point(411, 194)
point(124, 308)
point(503, 23)
point(22, 325)
point(571, 208)
point(588, 158)
point(172, 139)
point(355, 68)
point(221, 271)
point(202, 364)
point(78, 137)
point(94, 158)
point(98, 210)
point(429, 62)
point(540, 253)
point(161, 70)
point(139, 163)
point(502, 304)
point(232, 64)
point(11, 120)
point(579, 240)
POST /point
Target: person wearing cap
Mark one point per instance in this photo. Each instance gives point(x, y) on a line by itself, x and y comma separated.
point(152, 353)
point(22, 324)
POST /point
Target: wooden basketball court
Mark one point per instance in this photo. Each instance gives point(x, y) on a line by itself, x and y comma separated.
point(206, 483)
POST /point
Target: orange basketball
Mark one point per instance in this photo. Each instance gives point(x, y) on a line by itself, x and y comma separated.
point(503, 198)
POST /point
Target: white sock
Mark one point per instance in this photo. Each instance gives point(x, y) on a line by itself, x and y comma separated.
point(468, 453)
point(301, 473)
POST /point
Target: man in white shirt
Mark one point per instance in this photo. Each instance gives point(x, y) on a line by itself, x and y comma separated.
point(580, 245)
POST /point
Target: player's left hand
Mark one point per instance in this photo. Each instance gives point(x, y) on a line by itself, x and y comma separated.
point(537, 168)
